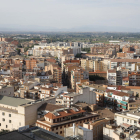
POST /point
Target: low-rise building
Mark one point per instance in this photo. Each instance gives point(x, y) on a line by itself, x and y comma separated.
point(97, 127)
point(17, 112)
point(130, 117)
point(60, 119)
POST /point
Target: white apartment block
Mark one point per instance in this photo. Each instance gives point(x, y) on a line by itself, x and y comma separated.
point(131, 117)
point(86, 95)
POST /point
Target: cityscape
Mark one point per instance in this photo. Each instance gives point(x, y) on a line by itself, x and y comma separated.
point(69, 70)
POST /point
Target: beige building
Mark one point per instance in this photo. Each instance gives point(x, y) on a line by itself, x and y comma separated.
point(7, 90)
point(17, 112)
point(56, 72)
point(59, 119)
point(94, 65)
point(130, 117)
point(97, 127)
point(77, 75)
point(87, 64)
point(78, 132)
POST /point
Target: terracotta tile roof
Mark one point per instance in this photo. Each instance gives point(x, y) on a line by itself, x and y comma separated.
point(112, 71)
point(49, 107)
point(133, 87)
point(121, 93)
point(130, 51)
point(108, 90)
point(125, 60)
point(98, 72)
point(44, 88)
point(71, 61)
point(70, 112)
point(125, 125)
point(125, 79)
point(51, 60)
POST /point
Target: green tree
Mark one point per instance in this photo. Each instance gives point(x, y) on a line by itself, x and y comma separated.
point(78, 55)
point(95, 77)
point(18, 51)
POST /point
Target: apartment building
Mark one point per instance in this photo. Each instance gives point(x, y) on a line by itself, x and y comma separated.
point(134, 78)
point(124, 131)
point(49, 90)
point(126, 63)
point(57, 51)
point(118, 100)
point(16, 73)
point(134, 104)
point(125, 81)
point(126, 49)
point(97, 127)
point(130, 117)
point(102, 49)
point(30, 64)
point(114, 77)
point(78, 74)
point(56, 72)
point(60, 119)
point(85, 94)
point(99, 90)
point(121, 54)
point(70, 63)
point(78, 132)
point(94, 65)
point(6, 90)
point(87, 64)
point(17, 112)
point(130, 54)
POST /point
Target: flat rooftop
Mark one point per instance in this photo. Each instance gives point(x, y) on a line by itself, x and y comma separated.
point(12, 101)
point(14, 136)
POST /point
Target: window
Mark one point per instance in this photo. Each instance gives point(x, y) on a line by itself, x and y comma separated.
point(68, 124)
point(9, 115)
point(64, 125)
point(3, 113)
point(60, 132)
point(52, 129)
point(6, 126)
point(3, 119)
point(127, 120)
point(56, 128)
point(56, 132)
point(60, 127)
point(123, 119)
point(9, 121)
point(0, 124)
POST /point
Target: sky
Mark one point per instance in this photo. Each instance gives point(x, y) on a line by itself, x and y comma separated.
point(109, 15)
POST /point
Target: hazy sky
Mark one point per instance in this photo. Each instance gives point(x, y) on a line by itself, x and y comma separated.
point(70, 13)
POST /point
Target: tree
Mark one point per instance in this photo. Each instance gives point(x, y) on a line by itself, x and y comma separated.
point(78, 55)
point(120, 50)
point(26, 49)
point(19, 46)
point(18, 51)
point(95, 77)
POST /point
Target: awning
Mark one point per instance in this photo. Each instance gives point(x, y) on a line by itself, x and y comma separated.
point(123, 102)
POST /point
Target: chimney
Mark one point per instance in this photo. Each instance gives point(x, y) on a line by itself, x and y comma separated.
point(73, 129)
